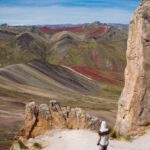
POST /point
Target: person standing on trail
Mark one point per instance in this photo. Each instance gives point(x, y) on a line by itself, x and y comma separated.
point(103, 136)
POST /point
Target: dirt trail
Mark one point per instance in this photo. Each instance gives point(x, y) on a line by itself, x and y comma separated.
point(85, 140)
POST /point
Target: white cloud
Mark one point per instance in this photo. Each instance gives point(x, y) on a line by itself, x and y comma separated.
point(59, 15)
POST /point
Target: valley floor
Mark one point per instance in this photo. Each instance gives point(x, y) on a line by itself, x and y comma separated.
point(85, 140)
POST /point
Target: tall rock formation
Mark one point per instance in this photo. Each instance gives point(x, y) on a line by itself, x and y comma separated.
point(134, 104)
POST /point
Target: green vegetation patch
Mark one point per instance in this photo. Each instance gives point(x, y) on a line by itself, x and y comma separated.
point(22, 145)
point(37, 145)
point(11, 55)
point(115, 135)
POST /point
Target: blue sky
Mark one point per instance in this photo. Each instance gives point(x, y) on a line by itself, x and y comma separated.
point(31, 12)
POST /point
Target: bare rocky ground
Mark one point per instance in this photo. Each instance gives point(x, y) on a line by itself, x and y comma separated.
point(85, 140)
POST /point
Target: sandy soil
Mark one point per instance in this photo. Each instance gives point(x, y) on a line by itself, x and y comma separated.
point(86, 140)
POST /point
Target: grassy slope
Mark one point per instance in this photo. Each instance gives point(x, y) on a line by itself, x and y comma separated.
point(107, 52)
point(9, 54)
point(53, 81)
point(102, 55)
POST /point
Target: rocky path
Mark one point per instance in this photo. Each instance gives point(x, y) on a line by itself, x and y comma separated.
point(85, 140)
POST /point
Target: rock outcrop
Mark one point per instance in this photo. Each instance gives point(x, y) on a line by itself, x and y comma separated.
point(134, 104)
point(40, 119)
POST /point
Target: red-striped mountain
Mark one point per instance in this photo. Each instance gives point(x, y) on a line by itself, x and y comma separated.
point(96, 45)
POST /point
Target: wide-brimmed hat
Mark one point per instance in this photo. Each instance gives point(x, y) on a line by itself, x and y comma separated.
point(103, 127)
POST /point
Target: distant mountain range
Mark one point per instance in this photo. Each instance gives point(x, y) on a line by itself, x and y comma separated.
point(96, 45)
point(72, 25)
point(93, 52)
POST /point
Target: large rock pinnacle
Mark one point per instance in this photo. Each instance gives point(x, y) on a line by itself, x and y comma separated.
point(134, 104)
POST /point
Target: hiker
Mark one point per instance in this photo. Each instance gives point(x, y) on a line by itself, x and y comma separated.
point(103, 136)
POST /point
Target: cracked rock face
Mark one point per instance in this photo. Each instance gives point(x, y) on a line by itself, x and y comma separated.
point(39, 119)
point(134, 104)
